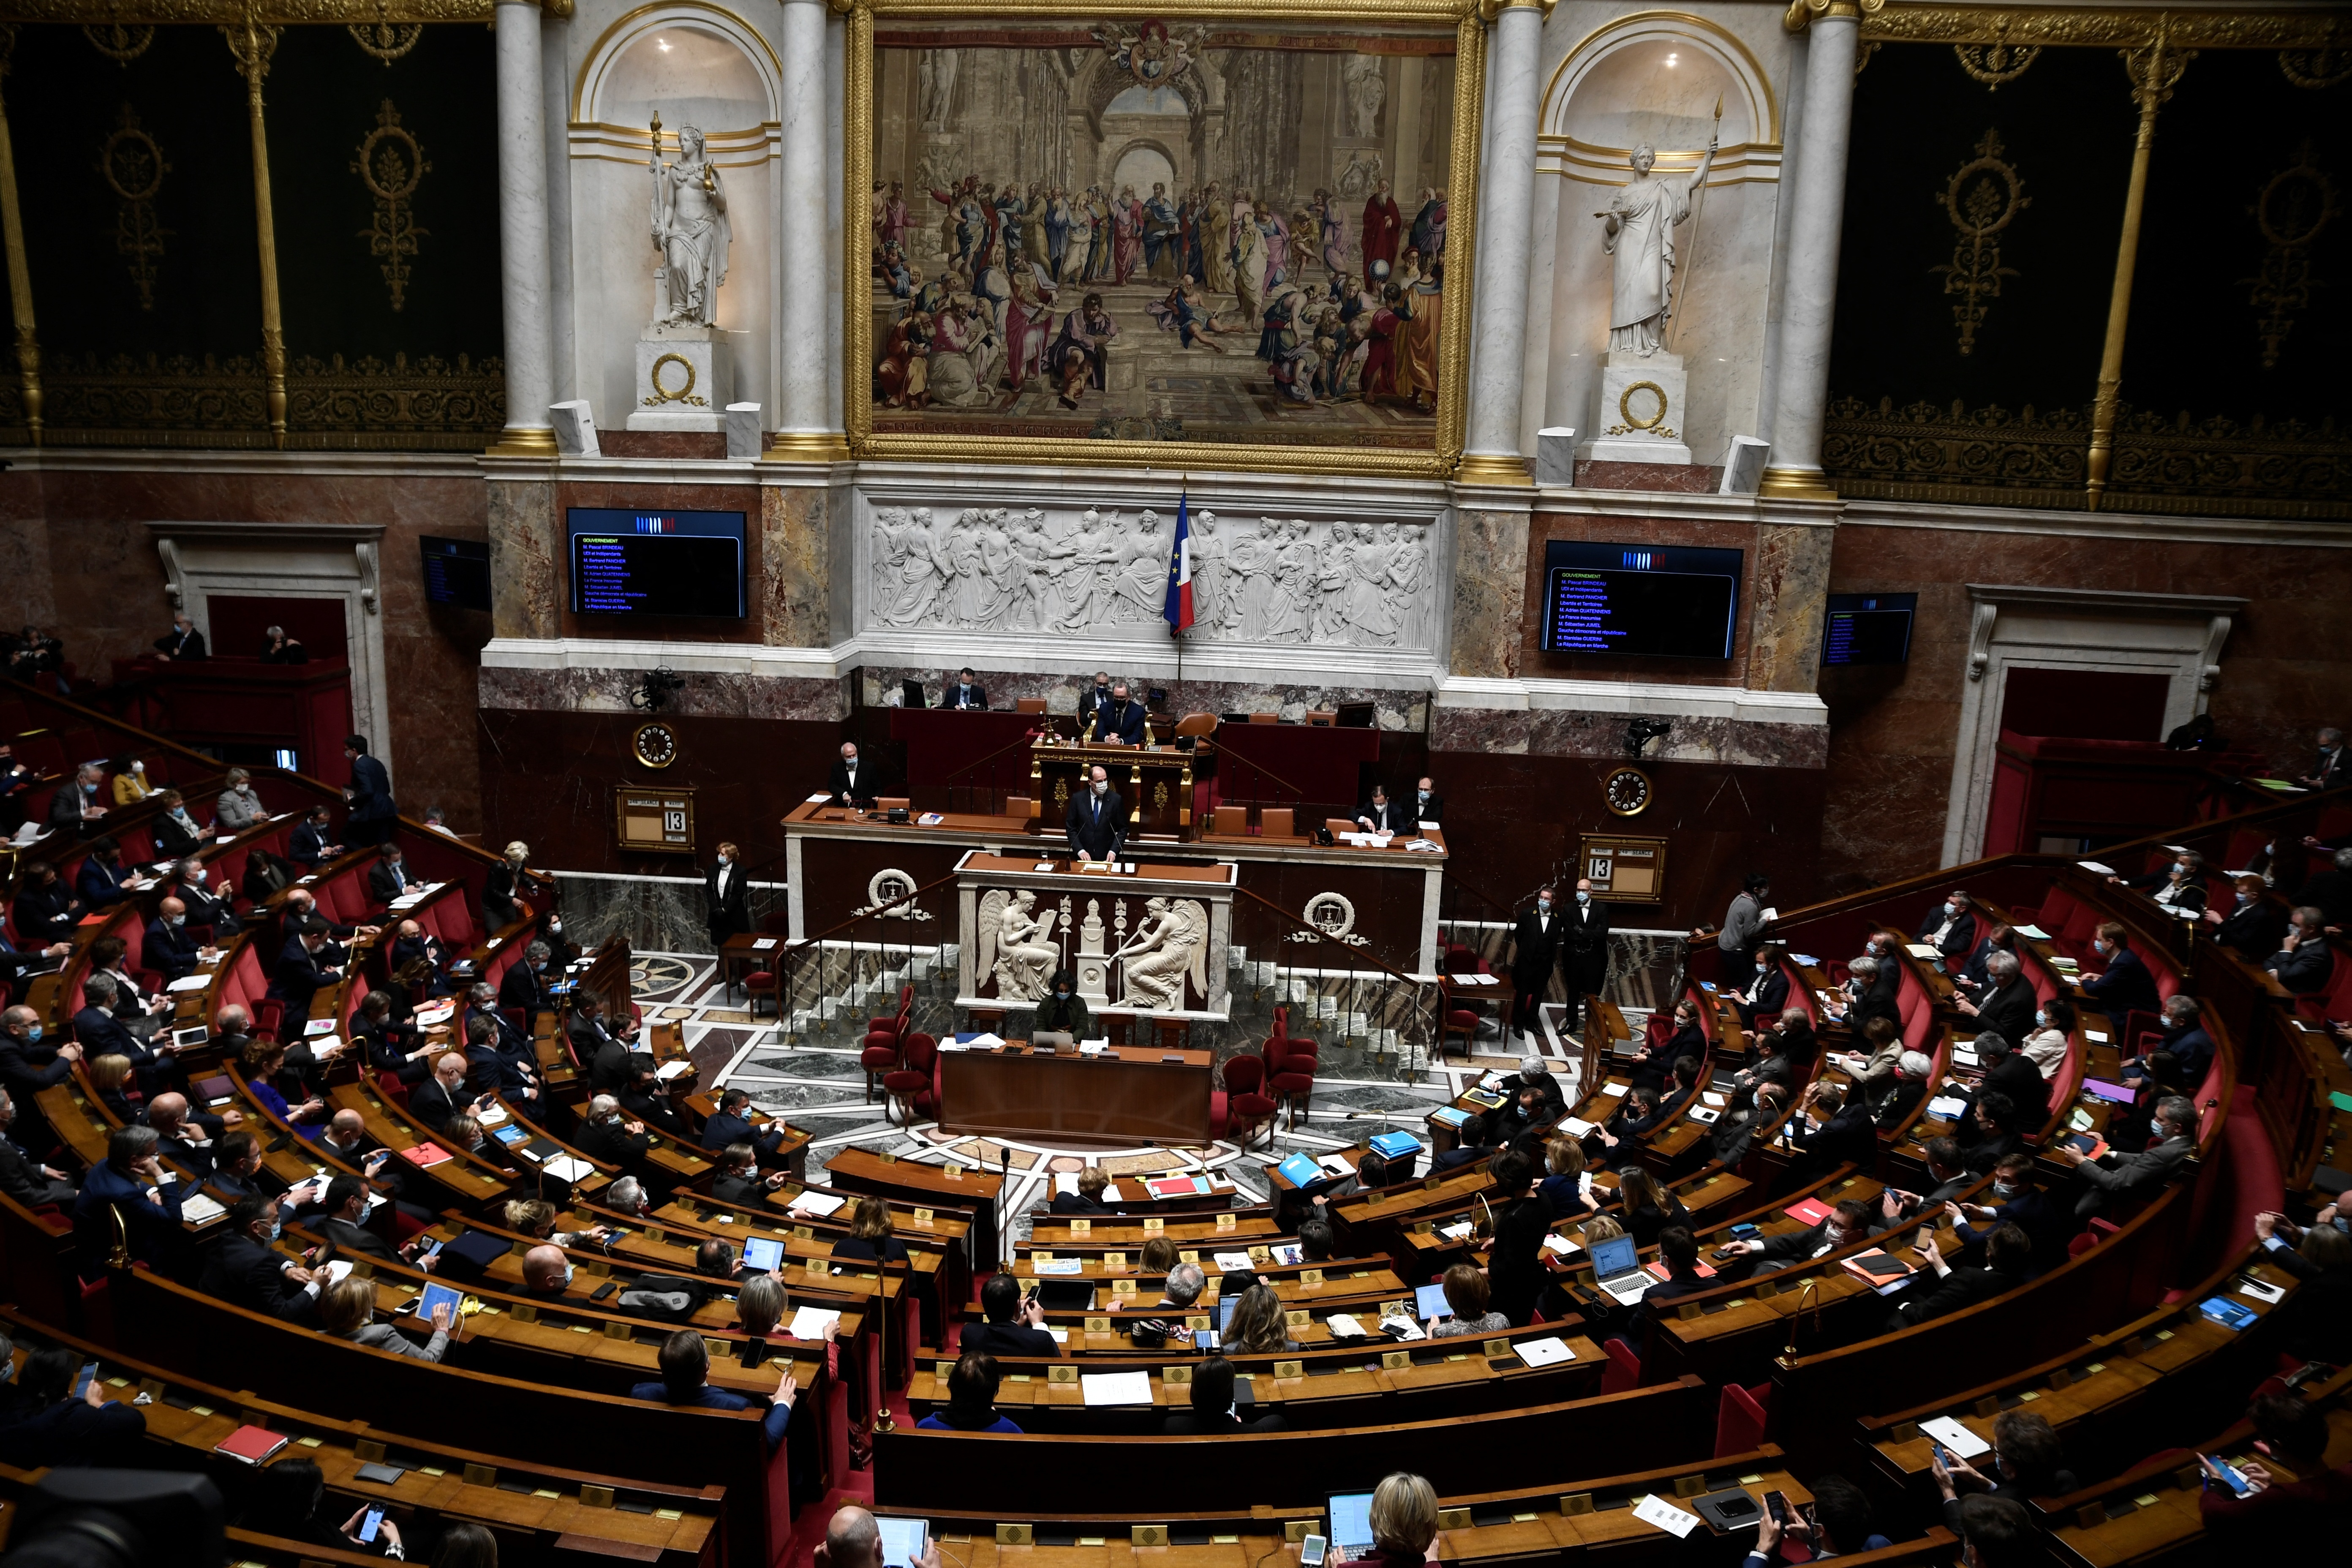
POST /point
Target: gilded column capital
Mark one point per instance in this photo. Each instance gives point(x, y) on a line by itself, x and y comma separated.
point(1490, 9)
point(1801, 13)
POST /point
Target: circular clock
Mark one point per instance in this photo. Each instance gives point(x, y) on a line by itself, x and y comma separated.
point(1627, 790)
point(655, 745)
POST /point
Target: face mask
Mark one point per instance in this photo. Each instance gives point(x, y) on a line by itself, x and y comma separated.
point(2004, 1191)
point(727, 859)
point(1544, 904)
point(1584, 898)
point(1951, 909)
point(2040, 1017)
point(1065, 994)
point(179, 921)
point(567, 1277)
point(1421, 795)
point(1102, 786)
point(275, 1227)
point(2181, 867)
point(2245, 898)
point(33, 1035)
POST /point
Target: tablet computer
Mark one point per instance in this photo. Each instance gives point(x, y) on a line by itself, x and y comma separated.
point(903, 1541)
point(1430, 1302)
point(764, 1253)
point(1350, 1514)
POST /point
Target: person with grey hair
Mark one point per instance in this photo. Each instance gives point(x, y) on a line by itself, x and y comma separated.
point(237, 806)
point(1903, 1089)
point(627, 1196)
point(606, 1135)
point(98, 1032)
point(1874, 985)
point(2006, 1071)
point(2304, 965)
point(276, 648)
point(74, 808)
point(1950, 928)
point(127, 1208)
point(2331, 770)
point(2008, 1001)
point(523, 995)
point(2171, 1140)
point(1185, 1283)
point(24, 1179)
point(2184, 1037)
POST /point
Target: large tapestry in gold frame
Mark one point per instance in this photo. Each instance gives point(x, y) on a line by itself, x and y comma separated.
point(1418, 433)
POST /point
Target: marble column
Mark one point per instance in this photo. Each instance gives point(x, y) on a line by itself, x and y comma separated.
point(1809, 303)
point(808, 416)
point(1504, 225)
point(523, 234)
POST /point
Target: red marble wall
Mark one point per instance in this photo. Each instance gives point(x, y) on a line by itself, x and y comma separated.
point(75, 554)
point(1892, 727)
point(1545, 526)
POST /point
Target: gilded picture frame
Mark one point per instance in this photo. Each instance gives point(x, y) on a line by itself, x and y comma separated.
point(1417, 19)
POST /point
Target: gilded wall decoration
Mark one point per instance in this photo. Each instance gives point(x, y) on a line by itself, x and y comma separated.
point(1999, 61)
point(386, 41)
point(133, 168)
point(1983, 197)
point(2326, 65)
point(118, 43)
point(1998, 457)
point(369, 404)
point(391, 165)
point(2295, 204)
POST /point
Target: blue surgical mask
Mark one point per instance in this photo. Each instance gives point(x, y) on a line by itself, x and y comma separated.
point(277, 1226)
point(2041, 1016)
point(2181, 867)
point(567, 1276)
point(178, 921)
point(33, 1035)
point(1951, 909)
point(2003, 1190)
point(1582, 897)
point(2102, 948)
point(1544, 904)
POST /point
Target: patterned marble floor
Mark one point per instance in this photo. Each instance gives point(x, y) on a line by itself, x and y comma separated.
point(814, 1082)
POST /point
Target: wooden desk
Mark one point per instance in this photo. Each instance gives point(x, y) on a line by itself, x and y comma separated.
point(1127, 1095)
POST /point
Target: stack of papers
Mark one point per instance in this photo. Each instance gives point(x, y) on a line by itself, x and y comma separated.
point(1946, 1108)
point(1456, 1231)
point(984, 1041)
point(198, 1209)
point(1403, 1329)
point(2096, 868)
point(1560, 1245)
point(811, 1322)
point(190, 983)
point(819, 1204)
point(1344, 1325)
point(1094, 1048)
point(1231, 1262)
point(1057, 1264)
point(1116, 1387)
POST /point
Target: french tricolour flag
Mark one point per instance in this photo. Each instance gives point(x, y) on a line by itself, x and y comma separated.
point(1179, 610)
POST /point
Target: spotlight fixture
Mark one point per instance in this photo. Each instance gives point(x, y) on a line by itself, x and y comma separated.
point(659, 686)
point(1640, 733)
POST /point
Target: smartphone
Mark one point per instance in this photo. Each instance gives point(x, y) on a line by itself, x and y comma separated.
point(1777, 1505)
point(89, 1375)
point(754, 1352)
point(606, 1289)
point(2230, 1474)
point(369, 1526)
point(1310, 1551)
point(1941, 1457)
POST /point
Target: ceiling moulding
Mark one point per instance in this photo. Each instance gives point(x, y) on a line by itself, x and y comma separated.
point(2061, 27)
point(265, 12)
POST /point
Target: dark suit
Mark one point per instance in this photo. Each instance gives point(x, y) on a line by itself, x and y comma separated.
point(2125, 986)
point(2148, 1168)
point(175, 840)
point(169, 949)
point(1386, 817)
point(2018, 1078)
point(99, 1034)
point(21, 1179)
point(606, 1056)
point(387, 881)
point(2254, 930)
point(2190, 897)
point(726, 915)
point(2009, 1012)
point(1930, 1298)
point(1079, 1204)
point(183, 646)
point(743, 1192)
point(844, 789)
point(1956, 941)
point(721, 1127)
point(1535, 954)
point(1794, 1246)
point(373, 815)
point(301, 974)
point(100, 885)
point(350, 1239)
point(2304, 971)
point(1094, 696)
point(306, 846)
point(66, 808)
point(1008, 1340)
point(152, 1229)
point(45, 914)
point(1846, 1138)
point(523, 995)
point(2036, 1212)
point(1425, 812)
point(611, 1143)
point(502, 896)
point(1097, 825)
point(974, 696)
point(1122, 722)
point(244, 1273)
point(432, 1105)
point(2191, 1047)
point(1587, 956)
point(1515, 1263)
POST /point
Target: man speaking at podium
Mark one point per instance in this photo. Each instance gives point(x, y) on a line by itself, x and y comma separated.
point(1098, 820)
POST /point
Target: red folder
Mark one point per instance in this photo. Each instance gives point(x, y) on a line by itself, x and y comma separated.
point(1812, 1211)
point(425, 1154)
point(1660, 1269)
point(250, 1445)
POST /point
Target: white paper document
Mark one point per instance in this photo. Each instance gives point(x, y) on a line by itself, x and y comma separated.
point(190, 983)
point(1656, 1509)
point(1560, 1245)
point(2036, 932)
point(811, 1322)
point(565, 1168)
point(338, 1271)
point(1343, 1325)
point(1543, 1352)
point(1116, 1387)
point(1615, 1088)
point(676, 1068)
point(1580, 1127)
point(819, 1204)
point(2096, 868)
point(1456, 1231)
point(1956, 1438)
point(1231, 1262)
point(198, 1209)
point(1717, 1100)
point(1946, 1108)
point(1921, 949)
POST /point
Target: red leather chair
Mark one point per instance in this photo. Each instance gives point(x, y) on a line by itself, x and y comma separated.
point(1294, 1083)
point(1740, 1418)
point(1462, 1022)
point(913, 1085)
point(269, 1014)
point(758, 984)
point(896, 1023)
point(1624, 1373)
point(1246, 1105)
point(392, 1088)
point(880, 1054)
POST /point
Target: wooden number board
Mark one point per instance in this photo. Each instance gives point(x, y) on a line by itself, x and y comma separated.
point(654, 821)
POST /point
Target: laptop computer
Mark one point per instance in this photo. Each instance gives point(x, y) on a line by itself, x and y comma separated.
point(1617, 1269)
point(910, 693)
point(1055, 1041)
point(1350, 1517)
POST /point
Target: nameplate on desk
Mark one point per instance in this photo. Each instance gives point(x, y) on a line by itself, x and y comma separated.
point(653, 1233)
point(1122, 1287)
point(954, 1171)
point(1574, 1503)
point(1176, 1376)
point(1396, 1361)
point(1082, 1227)
point(524, 1312)
point(803, 1233)
point(941, 1369)
point(1293, 1369)
point(1296, 1530)
point(1372, 1199)
point(1225, 1221)
point(1097, 1325)
point(887, 1159)
point(1197, 1322)
point(365, 1449)
point(1188, 1255)
point(1310, 1276)
point(1113, 1261)
point(922, 1216)
point(1061, 1374)
point(1452, 1519)
point(1296, 1317)
point(1260, 1255)
point(1499, 1347)
point(1012, 1535)
point(616, 1330)
point(481, 1476)
point(1154, 1226)
point(1147, 1535)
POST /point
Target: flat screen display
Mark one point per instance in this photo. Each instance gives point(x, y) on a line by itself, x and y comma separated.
point(627, 563)
point(1654, 601)
point(457, 573)
point(1868, 628)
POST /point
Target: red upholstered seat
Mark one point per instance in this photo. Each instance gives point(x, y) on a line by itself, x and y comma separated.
point(1740, 1419)
point(880, 1054)
point(913, 1084)
point(1245, 1105)
point(1459, 1021)
point(1624, 1373)
point(758, 984)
